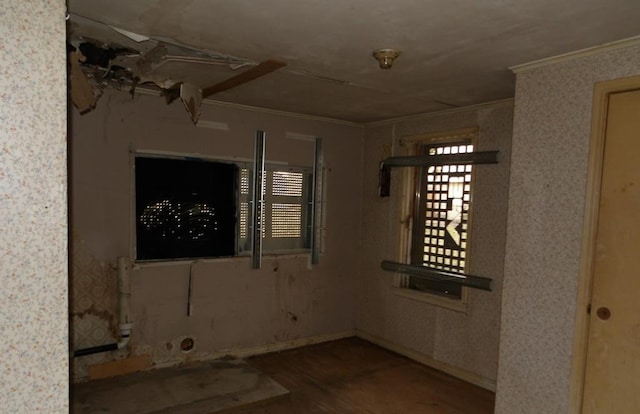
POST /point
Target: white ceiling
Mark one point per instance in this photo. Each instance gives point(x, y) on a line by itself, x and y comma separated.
point(453, 52)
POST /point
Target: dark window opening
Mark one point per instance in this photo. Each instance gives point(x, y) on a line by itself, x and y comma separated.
point(185, 208)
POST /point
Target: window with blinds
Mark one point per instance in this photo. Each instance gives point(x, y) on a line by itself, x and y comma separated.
point(286, 216)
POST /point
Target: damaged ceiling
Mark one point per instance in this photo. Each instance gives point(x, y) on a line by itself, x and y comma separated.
point(315, 57)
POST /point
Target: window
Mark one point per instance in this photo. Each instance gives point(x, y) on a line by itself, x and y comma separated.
point(286, 220)
point(191, 208)
point(184, 208)
point(439, 202)
point(441, 222)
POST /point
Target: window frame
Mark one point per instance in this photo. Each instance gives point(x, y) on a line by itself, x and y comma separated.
point(240, 163)
point(408, 208)
point(181, 179)
point(244, 244)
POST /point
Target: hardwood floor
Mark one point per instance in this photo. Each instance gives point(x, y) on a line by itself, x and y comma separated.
point(354, 376)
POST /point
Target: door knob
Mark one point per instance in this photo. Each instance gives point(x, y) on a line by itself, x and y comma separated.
point(603, 313)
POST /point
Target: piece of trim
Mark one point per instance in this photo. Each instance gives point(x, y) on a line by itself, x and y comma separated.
point(282, 346)
point(427, 115)
point(257, 200)
point(142, 90)
point(601, 94)
point(429, 273)
point(446, 136)
point(206, 157)
point(300, 136)
point(468, 376)
point(153, 92)
point(220, 126)
point(565, 57)
point(262, 69)
point(237, 259)
point(456, 305)
point(316, 197)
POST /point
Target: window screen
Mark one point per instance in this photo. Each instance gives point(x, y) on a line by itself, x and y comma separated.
point(286, 217)
point(442, 216)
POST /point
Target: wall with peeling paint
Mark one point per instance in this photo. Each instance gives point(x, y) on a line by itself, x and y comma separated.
point(233, 307)
point(436, 335)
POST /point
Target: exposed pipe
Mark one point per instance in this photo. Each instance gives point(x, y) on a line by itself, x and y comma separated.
point(124, 313)
point(95, 349)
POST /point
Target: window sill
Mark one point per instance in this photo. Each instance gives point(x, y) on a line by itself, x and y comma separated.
point(239, 258)
point(457, 305)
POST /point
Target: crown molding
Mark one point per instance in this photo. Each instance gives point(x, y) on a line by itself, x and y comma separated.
point(425, 115)
point(220, 104)
point(565, 57)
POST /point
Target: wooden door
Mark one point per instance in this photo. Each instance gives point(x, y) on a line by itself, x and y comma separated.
point(612, 377)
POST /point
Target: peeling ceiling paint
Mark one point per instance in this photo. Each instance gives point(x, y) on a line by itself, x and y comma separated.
point(453, 52)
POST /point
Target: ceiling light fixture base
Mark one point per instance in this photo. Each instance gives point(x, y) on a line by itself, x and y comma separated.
point(386, 57)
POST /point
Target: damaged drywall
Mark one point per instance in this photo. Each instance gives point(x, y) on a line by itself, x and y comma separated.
point(83, 94)
point(232, 307)
point(102, 56)
point(93, 304)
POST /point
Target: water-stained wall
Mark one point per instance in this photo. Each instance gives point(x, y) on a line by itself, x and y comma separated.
point(465, 344)
point(232, 306)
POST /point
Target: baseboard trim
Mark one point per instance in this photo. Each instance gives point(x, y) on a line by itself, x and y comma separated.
point(462, 374)
point(282, 346)
point(262, 349)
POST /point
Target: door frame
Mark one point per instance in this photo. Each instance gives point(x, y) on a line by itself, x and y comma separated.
point(601, 93)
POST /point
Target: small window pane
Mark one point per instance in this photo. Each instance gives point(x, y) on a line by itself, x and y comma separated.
point(244, 181)
point(286, 220)
point(287, 184)
point(244, 214)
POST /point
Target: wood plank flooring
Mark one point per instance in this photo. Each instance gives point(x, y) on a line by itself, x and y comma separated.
point(354, 376)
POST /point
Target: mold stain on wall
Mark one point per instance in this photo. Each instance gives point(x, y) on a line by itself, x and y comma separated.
point(93, 303)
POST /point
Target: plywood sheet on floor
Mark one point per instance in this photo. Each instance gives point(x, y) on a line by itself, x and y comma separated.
point(208, 387)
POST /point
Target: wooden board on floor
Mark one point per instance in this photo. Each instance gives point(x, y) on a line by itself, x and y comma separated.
point(120, 367)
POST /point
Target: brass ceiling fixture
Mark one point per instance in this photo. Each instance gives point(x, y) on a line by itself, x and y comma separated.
point(386, 57)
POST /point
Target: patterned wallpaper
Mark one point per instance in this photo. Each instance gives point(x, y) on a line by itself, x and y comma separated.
point(33, 256)
point(439, 334)
point(546, 203)
point(93, 305)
